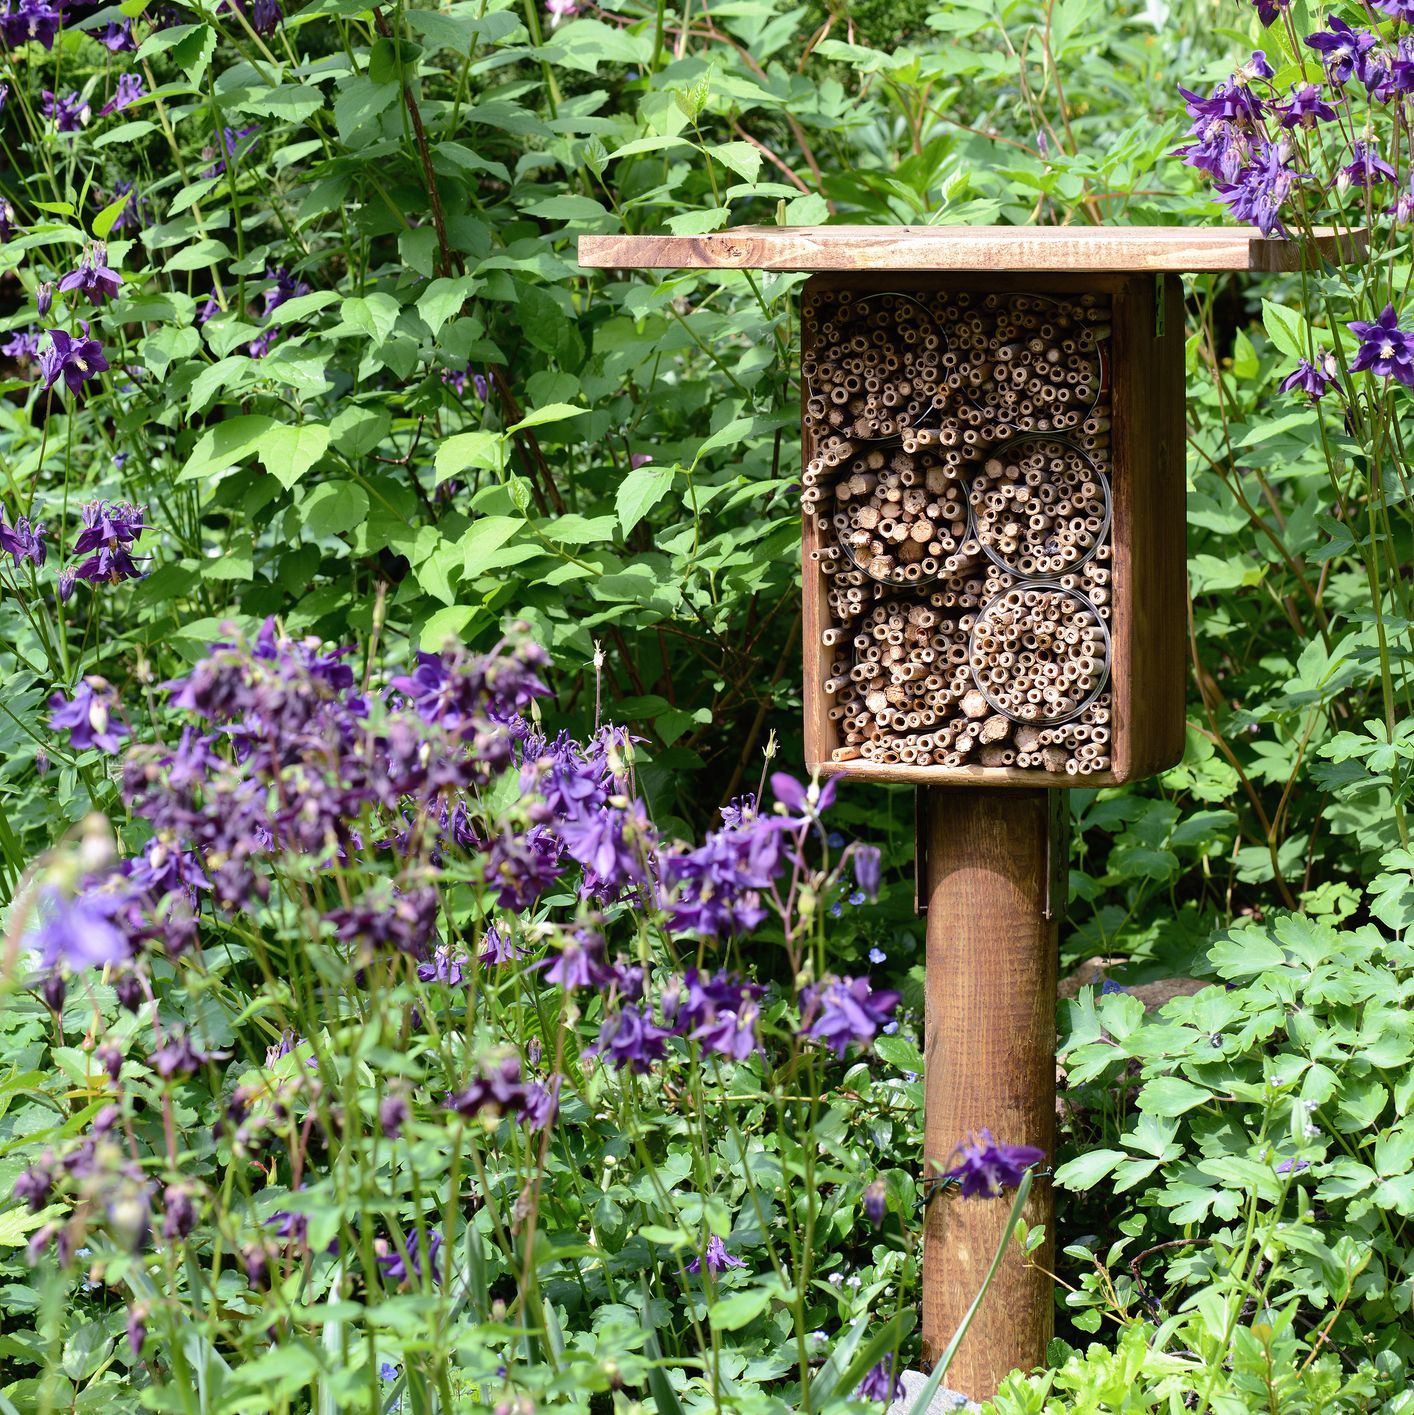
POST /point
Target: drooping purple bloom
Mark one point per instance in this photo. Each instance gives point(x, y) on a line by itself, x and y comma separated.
point(802, 801)
point(1292, 1166)
point(229, 148)
point(876, 1202)
point(1262, 188)
point(264, 16)
point(1268, 10)
point(44, 297)
point(498, 1089)
point(76, 360)
point(731, 1031)
point(129, 90)
point(80, 932)
point(1366, 169)
point(984, 1168)
point(867, 861)
point(392, 1116)
point(520, 867)
point(839, 1011)
point(716, 889)
point(137, 1329)
point(1385, 349)
point(23, 344)
point(179, 1212)
point(1403, 208)
point(498, 947)
point(395, 1269)
point(178, 1057)
point(117, 36)
point(24, 20)
point(880, 1383)
point(110, 528)
point(631, 1038)
point(609, 844)
point(23, 541)
point(1314, 380)
point(88, 716)
point(69, 113)
point(581, 963)
point(93, 277)
point(1341, 48)
point(1305, 108)
point(444, 967)
point(542, 1103)
point(716, 1258)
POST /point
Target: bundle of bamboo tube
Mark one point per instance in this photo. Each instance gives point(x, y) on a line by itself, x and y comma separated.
point(966, 568)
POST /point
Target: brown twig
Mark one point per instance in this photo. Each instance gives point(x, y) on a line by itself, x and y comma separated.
point(448, 261)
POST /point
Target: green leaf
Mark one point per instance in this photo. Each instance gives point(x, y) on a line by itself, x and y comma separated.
point(446, 624)
point(374, 314)
point(470, 449)
point(726, 436)
point(1088, 1169)
point(357, 431)
point(103, 222)
point(1286, 329)
point(640, 491)
point(1171, 1095)
point(192, 53)
point(901, 1053)
point(334, 508)
point(742, 157)
point(566, 207)
point(289, 451)
point(481, 543)
point(734, 1311)
point(225, 445)
point(551, 413)
point(444, 298)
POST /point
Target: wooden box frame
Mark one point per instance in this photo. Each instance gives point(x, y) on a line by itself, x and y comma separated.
point(1148, 534)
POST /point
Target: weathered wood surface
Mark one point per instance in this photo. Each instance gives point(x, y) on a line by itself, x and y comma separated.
point(1129, 249)
point(989, 1062)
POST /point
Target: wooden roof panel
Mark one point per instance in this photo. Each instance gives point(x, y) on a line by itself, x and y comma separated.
point(1173, 249)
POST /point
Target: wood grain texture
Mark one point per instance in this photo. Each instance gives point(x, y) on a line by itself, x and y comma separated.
point(1150, 533)
point(989, 1062)
point(1152, 249)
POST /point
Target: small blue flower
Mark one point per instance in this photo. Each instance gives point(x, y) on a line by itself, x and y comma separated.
point(388, 1372)
point(889, 1028)
point(858, 897)
point(836, 910)
point(835, 840)
point(877, 955)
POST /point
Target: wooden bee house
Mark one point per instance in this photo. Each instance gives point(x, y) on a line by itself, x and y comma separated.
point(993, 541)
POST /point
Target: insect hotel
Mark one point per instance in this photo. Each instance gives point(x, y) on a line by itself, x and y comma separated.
point(993, 568)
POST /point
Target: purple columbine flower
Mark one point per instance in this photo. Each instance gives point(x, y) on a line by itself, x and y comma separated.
point(79, 932)
point(839, 1011)
point(110, 528)
point(805, 802)
point(229, 148)
point(23, 541)
point(69, 113)
point(130, 89)
point(1341, 48)
point(44, 297)
point(876, 1202)
point(867, 861)
point(880, 1383)
point(1305, 108)
point(631, 1038)
point(76, 360)
point(1292, 1166)
point(117, 36)
point(395, 1269)
point(984, 1168)
point(24, 20)
point(542, 1103)
point(716, 1258)
point(1262, 188)
point(137, 1329)
point(23, 345)
point(1385, 349)
point(1315, 380)
point(87, 716)
point(93, 277)
point(1366, 169)
point(1403, 208)
point(1268, 10)
point(498, 1090)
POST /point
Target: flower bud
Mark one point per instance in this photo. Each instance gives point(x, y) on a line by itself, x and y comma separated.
point(44, 297)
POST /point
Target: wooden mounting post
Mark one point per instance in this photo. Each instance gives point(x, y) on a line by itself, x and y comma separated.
point(992, 879)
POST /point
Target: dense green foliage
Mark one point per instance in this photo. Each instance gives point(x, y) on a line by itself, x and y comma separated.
point(360, 383)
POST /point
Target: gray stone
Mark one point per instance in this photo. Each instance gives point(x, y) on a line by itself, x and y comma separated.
point(945, 1402)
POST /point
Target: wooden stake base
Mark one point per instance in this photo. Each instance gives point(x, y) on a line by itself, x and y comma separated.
point(992, 879)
